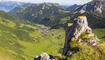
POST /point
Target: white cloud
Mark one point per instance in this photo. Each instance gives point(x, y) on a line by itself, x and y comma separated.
point(68, 2)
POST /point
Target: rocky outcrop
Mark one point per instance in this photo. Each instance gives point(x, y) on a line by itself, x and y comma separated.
point(74, 32)
point(44, 56)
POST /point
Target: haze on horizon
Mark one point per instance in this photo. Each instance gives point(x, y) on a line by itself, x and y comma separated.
point(62, 2)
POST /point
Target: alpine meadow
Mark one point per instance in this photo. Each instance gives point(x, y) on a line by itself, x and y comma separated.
point(52, 30)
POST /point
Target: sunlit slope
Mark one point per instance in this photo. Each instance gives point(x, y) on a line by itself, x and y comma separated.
point(23, 41)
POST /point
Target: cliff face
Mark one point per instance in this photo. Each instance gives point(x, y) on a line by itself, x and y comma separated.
point(79, 31)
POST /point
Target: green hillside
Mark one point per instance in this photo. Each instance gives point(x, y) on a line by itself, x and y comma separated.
point(49, 14)
point(23, 41)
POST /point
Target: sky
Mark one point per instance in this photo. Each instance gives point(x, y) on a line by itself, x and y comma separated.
point(62, 2)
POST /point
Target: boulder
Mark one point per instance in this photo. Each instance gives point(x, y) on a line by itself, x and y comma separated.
point(44, 56)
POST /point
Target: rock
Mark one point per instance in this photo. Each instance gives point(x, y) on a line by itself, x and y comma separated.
point(93, 42)
point(44, 56)
point(80, 26)
point(79, 40)
point(69, 53)
point(91, 34)
point(75, 30)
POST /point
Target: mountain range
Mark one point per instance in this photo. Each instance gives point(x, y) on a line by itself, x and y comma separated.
point(27, 30)
point(49, 14)
point(9, 5)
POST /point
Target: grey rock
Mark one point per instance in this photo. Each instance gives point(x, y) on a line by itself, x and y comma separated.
point(44, 56)
point(69, 53)
point(73, 32)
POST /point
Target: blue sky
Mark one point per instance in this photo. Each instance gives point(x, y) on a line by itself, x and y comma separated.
point(63, 2)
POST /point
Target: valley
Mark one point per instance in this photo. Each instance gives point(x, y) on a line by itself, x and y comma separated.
point(28, 30)
point(23, 41)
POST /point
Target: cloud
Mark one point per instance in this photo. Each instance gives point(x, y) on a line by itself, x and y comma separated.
point(64, 2)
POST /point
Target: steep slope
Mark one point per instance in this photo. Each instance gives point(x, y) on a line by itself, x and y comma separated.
point(49, 14)
point(22, 40)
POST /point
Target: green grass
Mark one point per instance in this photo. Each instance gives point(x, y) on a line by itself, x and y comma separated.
point(22, 41)
point(100, 32)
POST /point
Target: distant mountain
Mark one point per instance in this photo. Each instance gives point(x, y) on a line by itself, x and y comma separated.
point(73, 7)
point(95, 12)
point(9, 5)
point(93, 6)
point(18, 8)
point(66, 6)
point(49, 14)
point(6, 15)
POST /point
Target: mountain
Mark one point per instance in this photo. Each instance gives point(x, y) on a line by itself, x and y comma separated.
point(18, 8)
point(9, 5)
point(49, 14)
point(73, 7)
point(93, 6)
point(95, 11)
